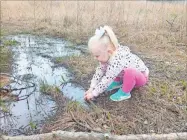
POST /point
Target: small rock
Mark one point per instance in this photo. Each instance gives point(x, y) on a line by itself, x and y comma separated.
point(105, 126)
point(72, 130)
point(145, 122)
point(185, 124)
point(106, 136)
point(98, 129)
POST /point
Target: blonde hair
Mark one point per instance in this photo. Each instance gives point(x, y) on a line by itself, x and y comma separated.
point(107, 37)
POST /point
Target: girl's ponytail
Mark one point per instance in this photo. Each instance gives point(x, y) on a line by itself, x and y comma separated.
point(105, 35)
point(112, 36)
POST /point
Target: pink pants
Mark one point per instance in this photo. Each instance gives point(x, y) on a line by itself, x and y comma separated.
point(132, 78)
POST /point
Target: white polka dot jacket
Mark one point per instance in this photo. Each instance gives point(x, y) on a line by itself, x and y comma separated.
point(106, 73)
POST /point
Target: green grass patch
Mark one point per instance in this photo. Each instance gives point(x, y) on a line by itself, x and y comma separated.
point(171, 91)
point(5, 54)
point(3, 107)
point(74, 106)
point(44, 87)
point(5, 57)
point(47, 89)
point(10, 42)
point(60, 59)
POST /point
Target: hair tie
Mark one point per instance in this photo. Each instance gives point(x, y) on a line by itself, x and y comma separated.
point(100, 32)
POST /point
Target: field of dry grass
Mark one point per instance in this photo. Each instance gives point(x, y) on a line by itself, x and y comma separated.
point(156, 31)
point(148, 26)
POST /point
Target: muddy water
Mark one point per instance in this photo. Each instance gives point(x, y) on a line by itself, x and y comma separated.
point(31, 65)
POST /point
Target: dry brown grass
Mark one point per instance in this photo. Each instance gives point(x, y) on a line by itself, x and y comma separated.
point(82, 17)
point(141, 114)
point(150, 27)
point(4, 80)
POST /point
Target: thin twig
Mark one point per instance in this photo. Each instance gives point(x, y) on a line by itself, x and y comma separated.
point(88, 127)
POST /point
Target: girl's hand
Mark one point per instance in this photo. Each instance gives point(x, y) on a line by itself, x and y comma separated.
point(88, 91)
point(88, 96)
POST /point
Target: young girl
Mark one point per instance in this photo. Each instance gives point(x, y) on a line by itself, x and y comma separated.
point(117, 65)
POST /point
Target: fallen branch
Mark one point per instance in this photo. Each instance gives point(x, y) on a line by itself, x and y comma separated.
point(97, 136)
point(85, 126)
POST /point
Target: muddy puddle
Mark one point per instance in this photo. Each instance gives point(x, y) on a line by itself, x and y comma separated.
point(32, 63)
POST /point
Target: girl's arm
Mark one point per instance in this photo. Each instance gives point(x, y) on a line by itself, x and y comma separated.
point(100, 70)
point(115, 67)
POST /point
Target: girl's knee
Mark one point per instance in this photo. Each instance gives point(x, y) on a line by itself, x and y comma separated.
point(130, 71)
point(117, 79)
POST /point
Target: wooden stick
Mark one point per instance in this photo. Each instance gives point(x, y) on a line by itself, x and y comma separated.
point(64, 135)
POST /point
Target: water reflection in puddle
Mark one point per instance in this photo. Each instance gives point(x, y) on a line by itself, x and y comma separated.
point(74, 92)
point(31, 64)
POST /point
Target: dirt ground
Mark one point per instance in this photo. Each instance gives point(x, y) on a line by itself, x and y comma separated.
point(159, 107)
